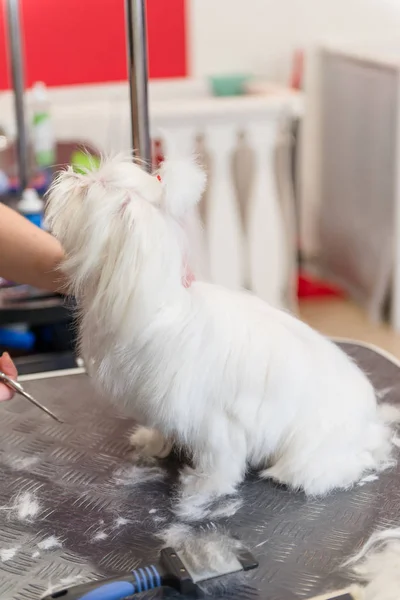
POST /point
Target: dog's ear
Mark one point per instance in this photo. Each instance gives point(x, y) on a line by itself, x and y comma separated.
point(183, 184)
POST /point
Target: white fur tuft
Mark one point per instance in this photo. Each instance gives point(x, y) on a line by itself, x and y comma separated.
point(24, 507)
point(377, 566)
point(183, 183)
point(50, 543)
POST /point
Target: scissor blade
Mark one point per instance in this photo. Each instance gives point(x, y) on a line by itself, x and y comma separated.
point(17, 387)
point(36, 403)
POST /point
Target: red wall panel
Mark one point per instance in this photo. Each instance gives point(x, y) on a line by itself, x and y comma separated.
point(4, 78)
point(83, 41)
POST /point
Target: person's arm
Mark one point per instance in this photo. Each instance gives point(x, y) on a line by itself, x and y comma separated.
point(28, 254)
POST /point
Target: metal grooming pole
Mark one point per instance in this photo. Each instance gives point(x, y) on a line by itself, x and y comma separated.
point(138, 78)
point(137, 74)
point(17, 71)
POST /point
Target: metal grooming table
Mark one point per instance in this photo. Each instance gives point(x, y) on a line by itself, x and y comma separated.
point(299, 543)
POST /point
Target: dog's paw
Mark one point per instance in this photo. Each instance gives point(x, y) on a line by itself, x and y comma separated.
point(276, 475)
point(198, 492)
point(214, 485)
point(150, 443)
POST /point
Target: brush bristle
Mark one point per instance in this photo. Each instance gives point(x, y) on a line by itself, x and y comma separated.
point(206, 552)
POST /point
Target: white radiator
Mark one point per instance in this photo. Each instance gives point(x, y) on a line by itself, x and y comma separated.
point(351, 197)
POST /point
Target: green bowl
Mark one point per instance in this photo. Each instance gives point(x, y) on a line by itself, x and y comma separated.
point(228, 85)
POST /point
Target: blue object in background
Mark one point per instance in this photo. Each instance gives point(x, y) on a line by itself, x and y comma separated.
point(40, 182)
point(17, 339)
point(31, 206)
point(35, 219)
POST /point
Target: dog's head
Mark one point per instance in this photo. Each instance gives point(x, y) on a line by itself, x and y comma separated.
point(120, 226)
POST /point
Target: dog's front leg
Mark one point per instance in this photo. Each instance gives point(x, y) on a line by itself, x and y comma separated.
point(220, 465)
point(150, 443)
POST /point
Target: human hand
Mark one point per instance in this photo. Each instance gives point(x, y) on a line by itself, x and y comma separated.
point(8, 368)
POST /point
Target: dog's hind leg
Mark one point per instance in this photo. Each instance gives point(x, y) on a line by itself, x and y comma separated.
point(219, 468)
point(150, 443)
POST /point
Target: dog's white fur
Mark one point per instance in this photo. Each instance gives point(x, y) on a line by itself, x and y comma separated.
point(377, 566)
point(221, 373)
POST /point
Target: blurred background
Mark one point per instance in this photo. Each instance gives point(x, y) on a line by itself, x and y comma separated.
point(293, 107)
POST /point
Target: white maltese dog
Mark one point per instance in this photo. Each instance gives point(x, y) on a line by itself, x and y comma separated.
point(234, 381)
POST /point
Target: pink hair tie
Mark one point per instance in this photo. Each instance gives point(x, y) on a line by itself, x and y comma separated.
point(188, 278)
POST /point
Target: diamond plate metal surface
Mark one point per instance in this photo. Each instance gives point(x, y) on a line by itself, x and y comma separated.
point(73, 469)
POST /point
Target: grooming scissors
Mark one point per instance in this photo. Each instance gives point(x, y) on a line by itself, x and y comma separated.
point(17, 387)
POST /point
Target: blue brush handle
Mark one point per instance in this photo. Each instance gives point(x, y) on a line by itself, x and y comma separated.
point(116, 588)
